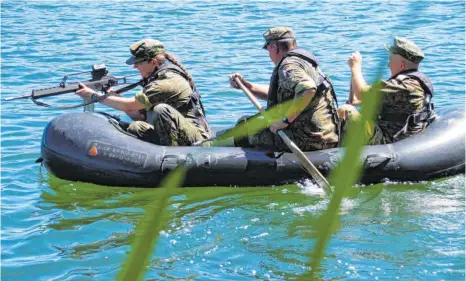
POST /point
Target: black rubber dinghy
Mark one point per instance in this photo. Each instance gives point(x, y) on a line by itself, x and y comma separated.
point(91, 147)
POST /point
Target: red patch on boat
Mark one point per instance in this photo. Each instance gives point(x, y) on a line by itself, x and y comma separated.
point(92, 152)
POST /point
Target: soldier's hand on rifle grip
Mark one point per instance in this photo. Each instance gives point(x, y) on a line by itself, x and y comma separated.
point(84, 91)
point(113, 92)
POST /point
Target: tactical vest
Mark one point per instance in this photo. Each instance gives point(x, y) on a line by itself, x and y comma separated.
point(323, 83)
point(427, 114)
point(195, 97)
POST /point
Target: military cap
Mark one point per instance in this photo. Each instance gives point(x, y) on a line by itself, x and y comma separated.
point(407, 49)
point(145, 49)
point(277, 34)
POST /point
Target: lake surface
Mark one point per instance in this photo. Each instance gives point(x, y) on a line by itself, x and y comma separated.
point(58, 230)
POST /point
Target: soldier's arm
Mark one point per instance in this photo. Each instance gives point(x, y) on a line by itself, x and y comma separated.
point(135, 115)
point(114, 101)
point(297, 80)
point(123, 104)
point(174, 91)
point(260, 91)
point(299, 103)
point(358, 83)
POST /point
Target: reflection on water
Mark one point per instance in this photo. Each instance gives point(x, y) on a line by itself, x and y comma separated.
point(395, 229)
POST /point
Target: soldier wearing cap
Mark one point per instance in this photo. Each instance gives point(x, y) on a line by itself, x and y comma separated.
point(168, 110)
point(406, 106)
point(302, 94)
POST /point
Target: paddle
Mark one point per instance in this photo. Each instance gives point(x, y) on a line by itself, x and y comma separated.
point(310, 168)
point(351, 93)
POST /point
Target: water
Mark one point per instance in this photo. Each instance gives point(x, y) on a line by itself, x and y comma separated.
point(58, 230)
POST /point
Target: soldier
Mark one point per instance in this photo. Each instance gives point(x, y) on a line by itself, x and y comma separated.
point(310, 118)
point(168, 110)
point(406, 102)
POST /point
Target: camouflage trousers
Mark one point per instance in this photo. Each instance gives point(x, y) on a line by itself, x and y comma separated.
point(265, 139)
point(348, 113)
point(167, 127)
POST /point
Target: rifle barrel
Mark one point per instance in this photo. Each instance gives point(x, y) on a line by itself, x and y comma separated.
point(17, 98)
point(102, 84)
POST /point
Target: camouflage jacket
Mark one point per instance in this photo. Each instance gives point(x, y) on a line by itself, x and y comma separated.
point(316, 125)
point(169, 85)
point(403, 97)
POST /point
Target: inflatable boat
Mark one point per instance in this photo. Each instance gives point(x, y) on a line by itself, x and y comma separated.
point(92, 147)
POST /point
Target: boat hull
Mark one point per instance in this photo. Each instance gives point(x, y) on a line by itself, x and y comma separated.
point(91, 147)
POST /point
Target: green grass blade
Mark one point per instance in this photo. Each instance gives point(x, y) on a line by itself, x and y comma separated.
point(148, 229)
point(344, 176)
point(258, 121)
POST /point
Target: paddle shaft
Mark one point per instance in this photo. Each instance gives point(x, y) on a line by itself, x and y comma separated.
point(310, 168)
point(351, 93)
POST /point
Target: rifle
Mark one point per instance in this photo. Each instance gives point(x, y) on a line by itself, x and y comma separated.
point(100, 81)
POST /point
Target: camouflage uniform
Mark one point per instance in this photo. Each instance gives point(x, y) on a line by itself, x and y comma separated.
point(315, 127)
point(403, 97)
point(349, 113)
point(174, 113)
